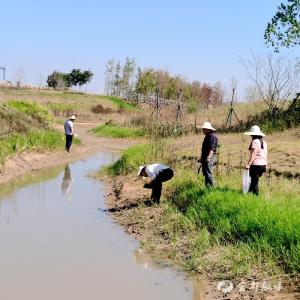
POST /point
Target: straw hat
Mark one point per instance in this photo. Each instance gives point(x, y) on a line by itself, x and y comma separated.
point(206, 125)
point(72, 118)
point(140, 170)
point(255, 130)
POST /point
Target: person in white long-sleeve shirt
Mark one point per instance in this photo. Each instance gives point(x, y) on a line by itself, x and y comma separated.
point(68, 126)
point(158, 173)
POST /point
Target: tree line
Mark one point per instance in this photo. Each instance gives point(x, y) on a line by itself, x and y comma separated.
point(63, 81)
point(131, 82)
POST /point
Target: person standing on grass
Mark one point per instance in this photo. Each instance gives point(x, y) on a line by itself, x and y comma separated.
point(257, 163)
point(69, 132)
point(158, 173)
point(208, 153)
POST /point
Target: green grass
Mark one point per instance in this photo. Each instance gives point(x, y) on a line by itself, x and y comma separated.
point(233, 218)
point(121, 104)
point(80, 102)
point(134, 157)
point(117, 132)
point(33, 140)
point(31, 109)
point(29, 125)
point(62, 107)
point(242, 231)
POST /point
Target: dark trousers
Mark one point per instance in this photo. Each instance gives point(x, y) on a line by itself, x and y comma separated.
point(156, 184)
point(207, 171)
point(255, 172)
point(69, 139)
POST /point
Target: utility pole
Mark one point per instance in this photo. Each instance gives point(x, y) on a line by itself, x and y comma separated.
point(3, 69)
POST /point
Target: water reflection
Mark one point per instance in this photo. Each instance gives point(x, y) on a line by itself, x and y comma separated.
point(66, 183)
point(199, 287)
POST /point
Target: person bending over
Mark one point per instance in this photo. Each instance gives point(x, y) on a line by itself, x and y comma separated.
point(158, 173)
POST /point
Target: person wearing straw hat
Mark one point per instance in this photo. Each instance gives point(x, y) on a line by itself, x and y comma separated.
point(68, 126)
point(257, 163)
point(208, 153)
point(158, 173)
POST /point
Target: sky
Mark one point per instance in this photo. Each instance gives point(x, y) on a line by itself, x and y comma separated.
point(198, 39)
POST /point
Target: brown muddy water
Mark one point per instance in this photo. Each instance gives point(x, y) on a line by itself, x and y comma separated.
point(56, 244)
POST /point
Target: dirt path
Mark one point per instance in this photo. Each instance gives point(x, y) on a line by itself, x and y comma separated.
point(90, 144)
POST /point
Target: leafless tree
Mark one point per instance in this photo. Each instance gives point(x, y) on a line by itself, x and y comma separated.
point(252, 93)
point(275, 77)
point(19, 76)
point(41, 80)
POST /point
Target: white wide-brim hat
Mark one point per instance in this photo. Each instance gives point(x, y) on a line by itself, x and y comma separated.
point(255, 130)
point(72, 118)
point(140, 170)
point(207, 125)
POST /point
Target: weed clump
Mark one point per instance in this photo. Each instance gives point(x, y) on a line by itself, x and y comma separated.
point(100, 109)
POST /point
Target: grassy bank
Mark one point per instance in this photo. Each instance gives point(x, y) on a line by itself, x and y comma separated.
point(65, 103)
point(121, 104)
point(25, 126)
point(115, 131)
point(221, 229)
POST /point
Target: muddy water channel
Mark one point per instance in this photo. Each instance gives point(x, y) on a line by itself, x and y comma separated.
point(56, 244)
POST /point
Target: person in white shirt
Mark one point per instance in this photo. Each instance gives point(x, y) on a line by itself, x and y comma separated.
point(68, 126)
point(158, 173)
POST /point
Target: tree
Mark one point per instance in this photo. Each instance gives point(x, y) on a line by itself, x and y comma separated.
point(109, 77)
point(87, 77)
point(19, 76)
point(59, 80)
point(276, 78)
point(145, 84)
point(217, 95)
point(117, 80)
point(78, 77)
point(127, 79)
point(206, 92)
point(284, 28)
point(40, 80)
point(75, 77)
point(172, 87)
